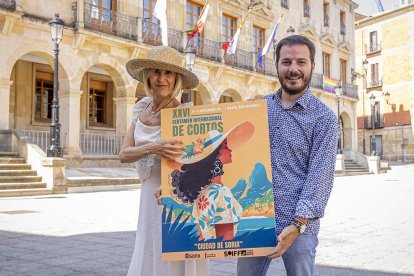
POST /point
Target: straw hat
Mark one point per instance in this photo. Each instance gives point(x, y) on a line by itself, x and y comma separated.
point(235, 136)
point(164, 58)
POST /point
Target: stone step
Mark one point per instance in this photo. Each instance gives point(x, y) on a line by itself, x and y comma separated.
point(101, 181)
point(16, 179)
point(12, 160)
point(354, 167)
point(9, 154)
point(357, 173)
point(14, 167)
point(18, 173)
point(16, 186)
point(25, 192)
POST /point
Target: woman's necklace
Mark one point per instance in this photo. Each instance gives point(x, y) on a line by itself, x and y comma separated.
point(159, 109)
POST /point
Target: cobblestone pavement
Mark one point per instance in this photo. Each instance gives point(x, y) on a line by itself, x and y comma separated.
point(367, 230)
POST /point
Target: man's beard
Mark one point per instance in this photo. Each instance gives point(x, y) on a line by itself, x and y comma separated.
point(295, 91)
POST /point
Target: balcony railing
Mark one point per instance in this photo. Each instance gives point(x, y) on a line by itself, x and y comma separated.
point(374, 47)
point(378, 121)
point(241, 59)
point(121, 25)
point(269, 67)
point(8, 4)
point(306, 10)
point(374, 82)
point(350, 90)
point(343, 29)
point(110, 22)
point(326, 20)
point(41, 138)
point(100, 144)
point(285, 4)
point(317, 81)
point(206, 48)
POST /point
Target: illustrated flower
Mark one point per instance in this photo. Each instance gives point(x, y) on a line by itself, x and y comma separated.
point(203, 202)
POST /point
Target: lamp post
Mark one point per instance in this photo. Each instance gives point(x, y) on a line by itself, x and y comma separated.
point(364, 87)
point(290, 31)
point(190, 54)
point(55, 150)
point(338, 93)
point(373, 146)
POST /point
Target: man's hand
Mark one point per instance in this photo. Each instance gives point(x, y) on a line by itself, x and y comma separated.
point(285, 240)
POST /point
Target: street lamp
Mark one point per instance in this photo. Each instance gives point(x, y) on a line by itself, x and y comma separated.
point(387, 97)
point(338, 93)
point(55, 150)
point(190, 54)
point(290, 31)
point(373, 146)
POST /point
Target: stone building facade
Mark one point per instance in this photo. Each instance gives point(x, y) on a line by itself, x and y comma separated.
point(96, 94)
point(386, 42)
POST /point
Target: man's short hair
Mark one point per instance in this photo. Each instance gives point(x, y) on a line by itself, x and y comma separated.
point(296, 40)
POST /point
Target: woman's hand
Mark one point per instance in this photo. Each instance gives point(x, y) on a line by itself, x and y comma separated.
point(169, 148)
point(158, 195)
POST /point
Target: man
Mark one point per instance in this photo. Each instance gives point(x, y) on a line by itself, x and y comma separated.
point(303, 141)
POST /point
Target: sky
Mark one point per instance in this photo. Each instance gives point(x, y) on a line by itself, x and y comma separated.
point(368, 7)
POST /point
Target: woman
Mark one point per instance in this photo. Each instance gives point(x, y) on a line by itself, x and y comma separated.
point(163, 77)
point(215, 210)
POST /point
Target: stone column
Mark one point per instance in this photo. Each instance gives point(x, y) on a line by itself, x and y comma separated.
point(5, 85)
point(69, 102)
point(53, 173)
point(123, 107)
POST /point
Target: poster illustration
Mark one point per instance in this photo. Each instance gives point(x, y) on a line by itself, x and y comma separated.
point(217, 196)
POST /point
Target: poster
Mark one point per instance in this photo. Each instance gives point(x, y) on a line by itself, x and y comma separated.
point(217, 196)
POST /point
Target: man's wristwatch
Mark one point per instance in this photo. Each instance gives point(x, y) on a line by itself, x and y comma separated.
point(300, 225)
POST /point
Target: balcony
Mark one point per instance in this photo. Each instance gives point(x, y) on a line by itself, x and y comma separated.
point(350, 90)
point(269, 67)
point(375, 82)
point(343, 29)
point(378, 121)
point(110, 22)
point(8, 5)
point(317, 81)
point(326, 20)
point(128, 27)
point(306, 10)
point(206, 48)
point(373, 47)
point(284, 4)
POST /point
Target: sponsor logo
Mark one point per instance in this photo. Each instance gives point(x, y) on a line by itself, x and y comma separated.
point(192, 256)
point(235, 253)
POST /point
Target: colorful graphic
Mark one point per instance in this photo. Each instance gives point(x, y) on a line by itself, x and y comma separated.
point(218, 196)
point(329, 84)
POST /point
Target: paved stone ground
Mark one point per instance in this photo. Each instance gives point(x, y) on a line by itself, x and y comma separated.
point(367, 230)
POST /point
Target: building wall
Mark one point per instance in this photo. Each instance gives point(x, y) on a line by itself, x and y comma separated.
point(25, 38)
point(396, 67)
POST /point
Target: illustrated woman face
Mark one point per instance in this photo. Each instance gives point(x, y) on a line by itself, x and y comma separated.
point(225, 153)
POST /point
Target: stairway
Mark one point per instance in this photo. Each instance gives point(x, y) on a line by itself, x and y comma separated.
point(17, 178)
point(353, 168)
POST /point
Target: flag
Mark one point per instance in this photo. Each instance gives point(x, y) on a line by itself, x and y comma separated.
point(233, 43)
point(200, 23)
point(160, 12)
point(269, 42)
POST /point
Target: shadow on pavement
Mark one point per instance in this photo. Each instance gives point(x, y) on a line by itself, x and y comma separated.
point(104, 254)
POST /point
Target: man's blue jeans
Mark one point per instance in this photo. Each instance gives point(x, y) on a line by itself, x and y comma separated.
point(299, 259)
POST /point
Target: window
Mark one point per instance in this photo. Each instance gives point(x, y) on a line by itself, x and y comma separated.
point(373, 41)
point(43, 96)
point(377, 113)
point(374, 74)
point(284, 4)
point(101, 13)
point(229, 28)
point(97, 102)
point(343, 71)
point(342, 22)
point(326, 14)
point(192, 14)
point(151, 28)
point(258, 38)
point(326, 64)
point(306, 8)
